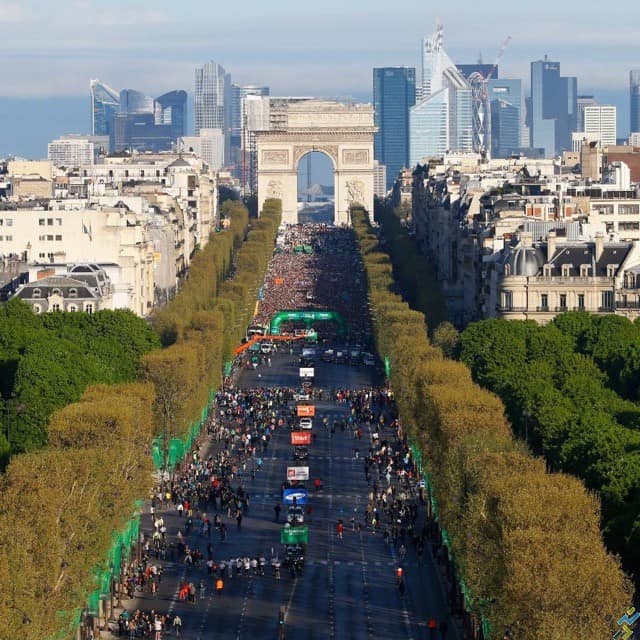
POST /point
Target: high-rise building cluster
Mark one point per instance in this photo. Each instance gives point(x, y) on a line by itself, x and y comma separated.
point(446, 108)
point(135, 121)
point(449, 108)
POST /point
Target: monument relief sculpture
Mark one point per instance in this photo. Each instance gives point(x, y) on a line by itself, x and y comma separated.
point(275, 156)
point(274, 189)
point(355, 192)
point(355, 156)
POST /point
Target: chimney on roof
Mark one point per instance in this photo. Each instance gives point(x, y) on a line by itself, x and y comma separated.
point(551, 245)
point(599, 245)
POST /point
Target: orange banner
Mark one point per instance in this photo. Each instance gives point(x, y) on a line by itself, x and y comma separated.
point(306, 410)
point(278, 281)
point(301, 437)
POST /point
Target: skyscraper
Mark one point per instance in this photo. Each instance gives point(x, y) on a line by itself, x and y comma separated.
point(139, 131)
point(239, 152)
point(134, 120)
point(554, 107)
point(634, 91)
point(394, 93)
point(505, 98)
point(105, 104)
point(212, 101)
point(600, 124)
point(429, 128)
point(433, 63)
point(146, 124)
point(171, 108)
point(132, 101)
point(584, 101)
point(238, 94)
point(442, 118)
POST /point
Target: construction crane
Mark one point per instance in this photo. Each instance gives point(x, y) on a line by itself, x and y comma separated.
point(482, 104)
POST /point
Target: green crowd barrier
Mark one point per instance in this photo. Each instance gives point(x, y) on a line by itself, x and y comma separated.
point(157, 452)
point(175, 452)
point(423, 470)
point(178, 448)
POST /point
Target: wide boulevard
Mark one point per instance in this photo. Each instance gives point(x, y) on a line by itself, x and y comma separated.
point(347, 588)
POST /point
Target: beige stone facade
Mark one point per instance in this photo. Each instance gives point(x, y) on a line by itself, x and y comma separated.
point(539, 282)
point(342, 132)
point(505, 242)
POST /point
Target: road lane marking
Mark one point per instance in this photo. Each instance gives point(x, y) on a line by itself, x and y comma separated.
point(365, 591)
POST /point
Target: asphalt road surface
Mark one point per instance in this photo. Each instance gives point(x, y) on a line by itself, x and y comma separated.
point(347, 589)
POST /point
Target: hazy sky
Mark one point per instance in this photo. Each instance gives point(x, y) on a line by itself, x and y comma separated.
point(320, 48)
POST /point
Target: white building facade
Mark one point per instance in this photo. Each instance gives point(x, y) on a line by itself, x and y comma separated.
point(70, 153)
point(600, 123)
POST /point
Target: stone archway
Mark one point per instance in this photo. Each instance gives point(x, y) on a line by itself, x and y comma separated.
point(343, 132)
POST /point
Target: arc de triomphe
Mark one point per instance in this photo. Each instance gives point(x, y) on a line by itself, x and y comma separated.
point(344, 132)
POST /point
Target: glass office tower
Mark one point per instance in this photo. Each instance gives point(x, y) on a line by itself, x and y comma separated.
point(429, 128)
point(505, 97)
point(634, 90)
point(394, 93)
point(554, 105)
point(105, 104)
point(171, 109)
point(212, 102)
point(213, 88)
point(132, 101)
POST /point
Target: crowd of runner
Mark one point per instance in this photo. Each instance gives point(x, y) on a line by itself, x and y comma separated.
point(209, 495)
point(327, 277)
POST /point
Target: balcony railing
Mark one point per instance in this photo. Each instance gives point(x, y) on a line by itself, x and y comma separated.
point(509, 309)
point(627, 305)
point(562, 309)
point(574, 279)
point(543, 309)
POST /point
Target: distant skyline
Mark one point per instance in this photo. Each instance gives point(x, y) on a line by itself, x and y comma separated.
point(323, 49)
point(328, 50)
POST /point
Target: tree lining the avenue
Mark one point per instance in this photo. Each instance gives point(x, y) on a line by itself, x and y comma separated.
point(557, 383)
point(526, 542)
point(69, 505)
point(570, 389)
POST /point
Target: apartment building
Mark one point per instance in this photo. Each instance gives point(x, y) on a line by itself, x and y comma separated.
point(139, 218)
point(516, 241)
